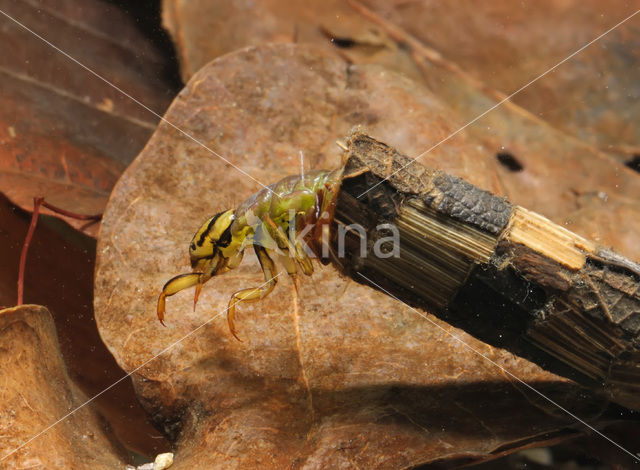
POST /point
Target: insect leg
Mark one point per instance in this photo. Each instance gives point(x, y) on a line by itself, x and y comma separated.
point(276, 232)
point(298, 248)
point(289, 264)
point(175, 285)
point(280, 237)
point(254, 293)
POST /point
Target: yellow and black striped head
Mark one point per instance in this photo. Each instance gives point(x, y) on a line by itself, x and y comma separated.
point(209, 248)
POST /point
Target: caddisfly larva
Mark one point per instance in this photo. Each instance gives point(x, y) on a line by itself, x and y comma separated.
point(284, 218)
point(466, 254)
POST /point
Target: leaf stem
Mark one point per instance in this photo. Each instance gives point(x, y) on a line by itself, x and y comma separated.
point(37, 202)
point(69, 213)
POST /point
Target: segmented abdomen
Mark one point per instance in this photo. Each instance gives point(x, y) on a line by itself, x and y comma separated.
point(310, 195)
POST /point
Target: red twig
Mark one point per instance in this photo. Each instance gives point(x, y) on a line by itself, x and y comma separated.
point(37, 202)
point(69, 213)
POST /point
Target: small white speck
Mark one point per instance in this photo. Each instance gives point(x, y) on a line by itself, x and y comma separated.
point(163, 461)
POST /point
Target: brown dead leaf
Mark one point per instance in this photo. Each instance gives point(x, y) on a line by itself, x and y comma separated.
point(203, 30)
point(59, 274)
point(592, 96)
point(471, 58)
point(64, 133)
point(342, 375)
point(500, 46)
point(36, 391)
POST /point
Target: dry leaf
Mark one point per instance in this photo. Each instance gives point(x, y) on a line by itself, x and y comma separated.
point(592, 96)
point(64, 133)
point(36, 392)
point(501, 46)
point(59, 274)
point(471, 58)
point(341, 375)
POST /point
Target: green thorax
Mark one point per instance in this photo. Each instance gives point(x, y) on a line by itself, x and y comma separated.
point(291, 195)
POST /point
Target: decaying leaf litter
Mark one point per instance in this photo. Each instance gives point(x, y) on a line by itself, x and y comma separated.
point(593, 204)
point(551, 127)
point(68, 136)
point(290, 366)
point(500, 47)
